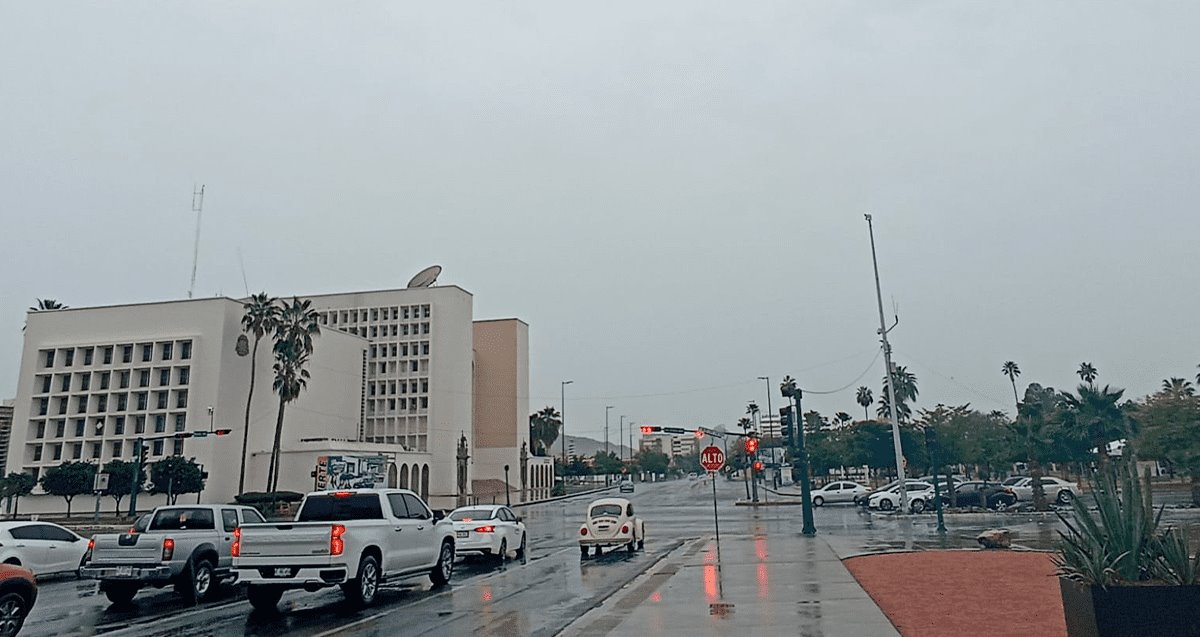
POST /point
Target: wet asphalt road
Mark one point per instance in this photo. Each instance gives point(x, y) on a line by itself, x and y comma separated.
point(537, 597)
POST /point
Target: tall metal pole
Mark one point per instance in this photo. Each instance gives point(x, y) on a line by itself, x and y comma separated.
point(563, 427)
point(621, 440)
point(137, 474)
point(802, 457)
point(606, 410)
point(197, 207)
point(887, 361)
point(768, 379)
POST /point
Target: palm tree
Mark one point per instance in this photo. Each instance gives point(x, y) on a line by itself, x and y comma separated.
point(543, 429)
point(1178, 388)
point(1096, 415)
point(904, 385)
point(294, 332)
point(843, 418)
point(865, 399)
point(1087, 373)
point(1032, 424)
point(752, 410)
point(260, 319)
point(1011, 370)
point(45, 305)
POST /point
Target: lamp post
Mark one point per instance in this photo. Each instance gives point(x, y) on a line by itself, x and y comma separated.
point(562, 412)
point(621, 439)
point(887, 363)
point(507, 500)
point(790, 391)
point(768, 380)
point(607, 409)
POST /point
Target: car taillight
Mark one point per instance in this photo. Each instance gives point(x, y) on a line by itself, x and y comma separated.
point(236, 548)
point(87, 557)
point(336, 544)
point(168, 549)
point(625, 529)
point(583, 531)
point(485, 529)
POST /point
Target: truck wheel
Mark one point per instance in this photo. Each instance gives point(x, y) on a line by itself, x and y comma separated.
point(264, 598)
point(444, 569)
point(198, 583)
point(119, 593)
point(361, 590)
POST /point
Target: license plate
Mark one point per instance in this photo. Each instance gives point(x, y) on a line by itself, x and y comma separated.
point(462, 533)
point(124, 571)
point(283, 572)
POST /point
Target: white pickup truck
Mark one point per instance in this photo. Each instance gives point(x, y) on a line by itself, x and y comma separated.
point(354, 539)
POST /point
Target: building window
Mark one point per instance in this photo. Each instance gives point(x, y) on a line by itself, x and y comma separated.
point(41, 430)
point(147, 353)
point(424, 328)
point(142, 397)
point(185, 375)
point(69, 357)
point(80, 427)
point(160, 423)
point(108, 355)
point(62, 405)
point(88, 354)
point(43, 406)
point(126, 353)
point(406, 314)
point(49, 357)
point(139, 424)
point(85, 382)
point(102, 404)
point(58, 452)
point(125, 379)
point(95, 450)
point(119, 426)
point(37, 453)
point(181, 399)
point(161, 399)
point(425, 311)
point(185, 350)
point(47, 380)
point(66, 382)
point(164, 377)
point(104, 378)
point(180, 422)
point(158, 447)
point(178, 448)
point(76, 451)
point(122, 402)
point(60, 428)
point(424, 349)
point(424, 385)
point(414, 366)
point(116, 450)
point(168, 350)
point(424, 402)
point(81, 408)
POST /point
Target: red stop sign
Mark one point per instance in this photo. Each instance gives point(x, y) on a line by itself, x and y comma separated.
point(712, 458)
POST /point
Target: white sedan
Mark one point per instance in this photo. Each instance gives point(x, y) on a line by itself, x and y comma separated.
point(920, 496)
point(489, 529)
point(611, 522)
point(837, 492)
point(42, 547)
point(1057, 490)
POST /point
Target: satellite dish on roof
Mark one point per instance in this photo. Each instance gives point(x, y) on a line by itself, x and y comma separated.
point(426, 277)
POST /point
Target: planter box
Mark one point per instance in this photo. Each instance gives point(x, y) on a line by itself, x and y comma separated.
point(1141, 611)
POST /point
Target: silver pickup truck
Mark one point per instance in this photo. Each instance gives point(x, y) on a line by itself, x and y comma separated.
point(187, 546)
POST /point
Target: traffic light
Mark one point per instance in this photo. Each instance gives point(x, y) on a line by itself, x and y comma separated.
point(143, 452)
point(758, 465)
point(699, 434)
point(785, 422)
point(649, 429)
point(751, 445)
point(222, 432)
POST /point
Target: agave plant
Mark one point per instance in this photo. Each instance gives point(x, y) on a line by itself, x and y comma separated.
point(1120, 542)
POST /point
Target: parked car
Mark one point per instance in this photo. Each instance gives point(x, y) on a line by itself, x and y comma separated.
point(611, 522)
point(352, 539)
point(1057, 490)
point(488, 530)
point(1012, 482)
point(626, 486)
point(920, 495)
point(840, 491)
point(18, 593)
point(187, 546)
point(983, 494)
point(41, 547)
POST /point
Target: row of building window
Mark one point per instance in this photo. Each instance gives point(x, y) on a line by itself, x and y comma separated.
point(398, 350)
point(383, 331)
point(389, 405)
point(393, 368)
point(79, 428)
point(74, 451)
point(83, 381)
point(390, 388)
point(107, 353)
point(120, 402)
point(362, 315)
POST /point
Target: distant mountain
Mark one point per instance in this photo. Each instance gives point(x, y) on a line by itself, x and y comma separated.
point(584, 446)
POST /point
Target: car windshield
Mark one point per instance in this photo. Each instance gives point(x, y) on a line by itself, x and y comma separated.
point(603, 510)
point(467, 515)
point(182, 520)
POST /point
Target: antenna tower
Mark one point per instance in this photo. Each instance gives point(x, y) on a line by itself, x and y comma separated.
point(197, 207)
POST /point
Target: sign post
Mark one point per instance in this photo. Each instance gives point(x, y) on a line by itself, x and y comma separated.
point(99, 486)
point(712, 459)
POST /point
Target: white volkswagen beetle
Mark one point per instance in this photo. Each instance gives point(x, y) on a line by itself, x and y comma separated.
point(611, 522)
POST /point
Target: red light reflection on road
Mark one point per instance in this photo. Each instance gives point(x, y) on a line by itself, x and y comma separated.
point(487, 594)
point(710, 583)
point(656, 597)
point(764, 582)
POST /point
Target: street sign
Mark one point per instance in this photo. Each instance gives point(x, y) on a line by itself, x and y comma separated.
point(712, 458)
point(100, 483)
point(674, 430)
point(710, 432)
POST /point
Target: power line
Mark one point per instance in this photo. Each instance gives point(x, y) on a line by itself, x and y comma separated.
point(851, 383)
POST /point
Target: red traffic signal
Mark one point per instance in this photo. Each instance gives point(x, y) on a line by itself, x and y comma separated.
point(699, 434)
point(758, 465)
point(751, 445)
point(222, 432)
point(649, 429)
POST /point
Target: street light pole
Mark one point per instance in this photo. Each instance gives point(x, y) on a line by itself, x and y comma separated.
point(563, 426)
point(606, 410)
point(507, 500)
point(887, 376)
point(621, 439)
point(768, 380)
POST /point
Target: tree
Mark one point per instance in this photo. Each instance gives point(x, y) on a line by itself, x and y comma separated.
point(653, 461)
point(904, 385)
point(1095, 416)
point(298, 325)
point(1087, 373)
point(607, 463)
point(843, 418)
point(120, 480)
point(260, 319)
point(68, 480)
point(1170, 430)
point(46, 305)
point(544, 426)
point(688, 463)
point(577, 467)
point(1034, 431)
point(15, 486)
point(865, 399)
point(1178, 387)
point(1011, 370)
point(175, 476)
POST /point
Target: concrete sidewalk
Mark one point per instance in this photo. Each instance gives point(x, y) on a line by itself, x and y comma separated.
point(766, 584)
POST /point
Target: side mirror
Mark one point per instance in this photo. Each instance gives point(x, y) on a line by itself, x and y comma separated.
point(520, 519)
point(438, 516)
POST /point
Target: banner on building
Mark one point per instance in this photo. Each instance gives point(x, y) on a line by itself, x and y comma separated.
point(351, 472)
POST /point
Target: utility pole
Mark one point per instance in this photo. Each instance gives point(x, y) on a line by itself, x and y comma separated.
point(768, 380)
point(606, 410)
point(563, 426)
point(621, 439)
point(197, 207)
point(891, 390)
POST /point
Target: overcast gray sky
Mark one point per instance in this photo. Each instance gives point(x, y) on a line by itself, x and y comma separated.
point(670, 193)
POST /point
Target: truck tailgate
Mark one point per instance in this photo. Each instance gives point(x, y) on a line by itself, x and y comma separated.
point(128, 548)
point(291, 539)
